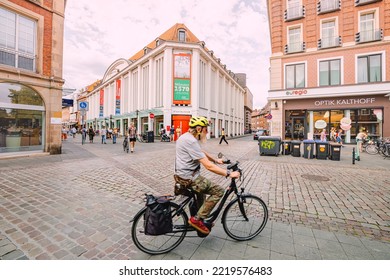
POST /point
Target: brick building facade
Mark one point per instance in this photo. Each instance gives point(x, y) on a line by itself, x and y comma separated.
point(329, 64)
point(31, 57)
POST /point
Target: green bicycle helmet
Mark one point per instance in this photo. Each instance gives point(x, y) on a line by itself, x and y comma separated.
point(201, 121)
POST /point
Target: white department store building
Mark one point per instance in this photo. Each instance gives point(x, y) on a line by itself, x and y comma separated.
point(170, 80)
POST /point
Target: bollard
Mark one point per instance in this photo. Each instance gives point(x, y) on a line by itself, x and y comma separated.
point(353, 155)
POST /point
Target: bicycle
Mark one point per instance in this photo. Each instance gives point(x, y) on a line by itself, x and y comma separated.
point(244, 217)
point(126, 144)
point(141, 137)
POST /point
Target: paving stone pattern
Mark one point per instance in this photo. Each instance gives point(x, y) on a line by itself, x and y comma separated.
point(78, 205)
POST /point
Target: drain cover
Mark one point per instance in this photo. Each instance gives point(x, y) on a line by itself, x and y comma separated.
point(315, 177)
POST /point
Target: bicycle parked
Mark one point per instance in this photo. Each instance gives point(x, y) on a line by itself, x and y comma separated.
point(381, 146)
point(244, 217)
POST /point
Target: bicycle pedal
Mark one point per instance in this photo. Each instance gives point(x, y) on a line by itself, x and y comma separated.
point(202, 235)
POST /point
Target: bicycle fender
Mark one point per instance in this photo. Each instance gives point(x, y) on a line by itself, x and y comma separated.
point(138, 214)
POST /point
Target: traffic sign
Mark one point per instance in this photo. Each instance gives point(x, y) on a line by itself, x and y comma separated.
point(151, 115)
point(83, 106)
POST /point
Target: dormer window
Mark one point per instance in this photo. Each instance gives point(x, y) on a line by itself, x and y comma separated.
point(182, 35)
point(158, 42)
point(146, 50)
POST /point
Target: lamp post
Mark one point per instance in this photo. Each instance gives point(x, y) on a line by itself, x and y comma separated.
point(110, 122)
point(137, 113)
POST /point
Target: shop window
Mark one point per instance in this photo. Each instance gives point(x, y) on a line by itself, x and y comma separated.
point(330, 72)
point(370, 68)
point(17, 40)
point(368, 119)
point(21, 118)
point(320, 116)
point(295, 76)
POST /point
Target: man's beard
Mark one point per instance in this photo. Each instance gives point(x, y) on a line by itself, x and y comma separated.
point(202, 137)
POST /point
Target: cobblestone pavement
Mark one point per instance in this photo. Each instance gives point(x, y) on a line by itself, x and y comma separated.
point(77, 205)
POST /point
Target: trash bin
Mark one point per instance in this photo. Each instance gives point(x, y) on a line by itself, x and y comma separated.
point(322, 150)
point(269, 145)
point(296, 148)
point(150, 137)
point(286, 147)
point(335, 151)
point(308, 148)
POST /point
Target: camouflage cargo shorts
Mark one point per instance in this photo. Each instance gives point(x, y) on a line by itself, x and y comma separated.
point(204, 186)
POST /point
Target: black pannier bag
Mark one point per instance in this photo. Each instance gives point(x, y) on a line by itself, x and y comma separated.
point(158, 218)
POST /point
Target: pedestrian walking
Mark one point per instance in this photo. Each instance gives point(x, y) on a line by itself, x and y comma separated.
point(103, 133)
point(132, 136)
point(223, 137)
point(64, 133)
point(333, 134)
point(91, 134)
point(114, 135)
point(338, 136)
point(172, 133)
point(74, 131)
point(362, 135)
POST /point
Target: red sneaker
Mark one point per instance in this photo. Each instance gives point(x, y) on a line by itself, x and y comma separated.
point(198, 225)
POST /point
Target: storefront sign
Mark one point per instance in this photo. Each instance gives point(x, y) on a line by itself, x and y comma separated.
point(345, 123)
point(296, 92)
point(320, 124)
point(350, 101)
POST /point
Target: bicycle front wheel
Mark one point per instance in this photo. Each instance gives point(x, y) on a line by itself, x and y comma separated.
point(164, 243)
point(371, 149)
point(245, 217)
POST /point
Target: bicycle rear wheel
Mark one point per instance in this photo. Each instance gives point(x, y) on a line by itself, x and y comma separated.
point(159, 244)
point(245, 217)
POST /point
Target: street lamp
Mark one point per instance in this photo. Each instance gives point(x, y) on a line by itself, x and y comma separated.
point(110, 121)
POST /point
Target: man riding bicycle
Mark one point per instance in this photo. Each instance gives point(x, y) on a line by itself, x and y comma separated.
point(189, 157)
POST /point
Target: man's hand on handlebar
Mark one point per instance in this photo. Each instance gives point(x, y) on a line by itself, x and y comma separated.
point(235, 174)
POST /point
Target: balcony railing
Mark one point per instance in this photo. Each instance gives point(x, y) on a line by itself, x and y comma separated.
point(326, 6)
point(365, 2)
point(369, 36)
point(294, 12)
point(295, 47)
point(329, 42)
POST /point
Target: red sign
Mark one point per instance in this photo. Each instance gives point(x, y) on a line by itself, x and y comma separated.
point(151, 115)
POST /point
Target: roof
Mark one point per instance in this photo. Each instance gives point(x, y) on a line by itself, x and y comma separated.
point(93, 86)
point(170, 35)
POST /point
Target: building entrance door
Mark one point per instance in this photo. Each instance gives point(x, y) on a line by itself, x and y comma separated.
point(298, 128)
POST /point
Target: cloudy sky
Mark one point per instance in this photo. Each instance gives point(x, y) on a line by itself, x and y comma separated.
point(97, 34)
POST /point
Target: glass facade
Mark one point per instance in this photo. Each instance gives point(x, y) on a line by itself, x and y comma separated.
point(22, 118)
point(299, 122)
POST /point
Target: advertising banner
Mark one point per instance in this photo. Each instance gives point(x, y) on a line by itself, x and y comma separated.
point(182, 79)
point(118, 97)
point(101, 102)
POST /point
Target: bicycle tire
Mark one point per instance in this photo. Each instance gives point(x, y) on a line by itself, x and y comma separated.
point(235, 224)
point(371, 149)
point(159, 244)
